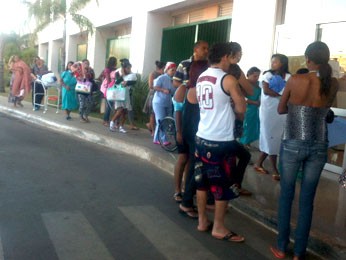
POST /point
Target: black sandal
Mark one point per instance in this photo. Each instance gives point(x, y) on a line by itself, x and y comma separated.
point(178, 197)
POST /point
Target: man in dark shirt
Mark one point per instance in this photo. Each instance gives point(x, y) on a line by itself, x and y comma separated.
point(186, 132)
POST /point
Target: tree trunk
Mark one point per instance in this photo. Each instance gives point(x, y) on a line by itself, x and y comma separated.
point(2, 44)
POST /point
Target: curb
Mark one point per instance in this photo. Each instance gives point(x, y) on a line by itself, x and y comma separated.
point(111, 143)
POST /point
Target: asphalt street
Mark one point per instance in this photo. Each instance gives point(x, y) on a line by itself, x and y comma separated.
point(62, 198)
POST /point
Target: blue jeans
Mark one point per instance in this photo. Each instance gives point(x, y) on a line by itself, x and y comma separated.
point(109, 108)
point(312, 156)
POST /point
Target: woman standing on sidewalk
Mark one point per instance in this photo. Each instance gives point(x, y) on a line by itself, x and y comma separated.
point(108, 80)
point(148, 106)
point(21, 80)
point(271, 123)
point(162, 101)
point(84, 73)
point(38, 69)
point(306, 101)
point(251, 119)
point(68, 83)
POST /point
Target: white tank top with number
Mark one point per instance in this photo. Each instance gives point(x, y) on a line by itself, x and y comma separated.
point(217, 115)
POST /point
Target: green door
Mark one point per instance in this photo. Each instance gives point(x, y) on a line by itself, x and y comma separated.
point(214, 32)
point(177, 42)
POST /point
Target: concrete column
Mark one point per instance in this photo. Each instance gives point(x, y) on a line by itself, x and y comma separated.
point(97, 51)
point(54, 56)
point(146, 39)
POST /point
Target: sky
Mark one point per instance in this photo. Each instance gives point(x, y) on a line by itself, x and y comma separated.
point(13, 16)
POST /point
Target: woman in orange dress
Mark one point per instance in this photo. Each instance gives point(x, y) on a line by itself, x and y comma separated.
point(22, 79)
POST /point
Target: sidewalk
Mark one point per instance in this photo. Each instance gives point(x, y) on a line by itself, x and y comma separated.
point(328, 232)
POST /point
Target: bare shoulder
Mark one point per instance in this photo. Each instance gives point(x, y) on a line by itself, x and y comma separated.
point(299, 80)
point(229, 82)
point(179, 95)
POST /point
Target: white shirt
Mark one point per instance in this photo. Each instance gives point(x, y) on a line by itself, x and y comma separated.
point(217, 115)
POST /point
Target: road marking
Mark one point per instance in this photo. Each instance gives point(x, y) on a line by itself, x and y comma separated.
point(171, 240)
point(1, 251)
point(73, 237)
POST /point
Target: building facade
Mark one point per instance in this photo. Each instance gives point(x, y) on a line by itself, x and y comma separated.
point(166, 30)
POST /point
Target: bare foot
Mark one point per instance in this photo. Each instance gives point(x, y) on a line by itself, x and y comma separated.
point(205, 227)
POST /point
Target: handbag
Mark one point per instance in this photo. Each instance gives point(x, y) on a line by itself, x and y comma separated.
point(116, 93)
point(83, 87)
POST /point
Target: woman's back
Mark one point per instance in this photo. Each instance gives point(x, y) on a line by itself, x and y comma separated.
point(304, 90)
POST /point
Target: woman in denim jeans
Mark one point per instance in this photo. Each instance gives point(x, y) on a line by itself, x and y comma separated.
point(306, 100)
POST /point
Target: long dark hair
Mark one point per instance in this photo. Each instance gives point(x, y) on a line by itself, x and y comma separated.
point(69, 63)
point(235, 48)
point(318, 53)
point(112, 62)
point(284, 62)
point(160, 64)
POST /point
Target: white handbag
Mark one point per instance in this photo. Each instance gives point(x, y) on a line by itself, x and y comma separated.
point(116, 93)
point(83, 87)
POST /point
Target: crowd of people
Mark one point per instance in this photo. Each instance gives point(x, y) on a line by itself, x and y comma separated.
point(219, 112)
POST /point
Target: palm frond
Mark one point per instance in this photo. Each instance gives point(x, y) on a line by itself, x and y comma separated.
point(77, 5)
point(83, 22)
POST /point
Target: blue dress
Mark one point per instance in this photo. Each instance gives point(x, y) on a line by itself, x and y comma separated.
point(69, 99)
point(251, 121)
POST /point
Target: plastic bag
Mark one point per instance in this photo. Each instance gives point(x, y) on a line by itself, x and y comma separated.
point(116, 93)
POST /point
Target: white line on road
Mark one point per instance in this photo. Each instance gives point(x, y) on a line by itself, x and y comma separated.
point(73, 237)
point(171, 240)
point(1, 251)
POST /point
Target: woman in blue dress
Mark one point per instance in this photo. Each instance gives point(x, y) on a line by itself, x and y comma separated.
point(68, 83)
point(162, 101)
point(251, 121)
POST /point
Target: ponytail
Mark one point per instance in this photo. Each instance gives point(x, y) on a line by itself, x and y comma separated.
point(318, 52)
point(325, 71)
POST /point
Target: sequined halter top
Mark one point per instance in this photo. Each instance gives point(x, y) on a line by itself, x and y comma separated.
point(306, 123)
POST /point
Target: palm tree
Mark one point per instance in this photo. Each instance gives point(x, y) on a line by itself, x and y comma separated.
point(46, 12)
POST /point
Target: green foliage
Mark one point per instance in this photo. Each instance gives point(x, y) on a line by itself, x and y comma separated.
point(140, 92)
point(28, 55)
point(13, 46)
point(47, 11)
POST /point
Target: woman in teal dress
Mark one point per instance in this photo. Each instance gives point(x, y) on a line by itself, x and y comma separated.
point(68, 83)
point(251, 121)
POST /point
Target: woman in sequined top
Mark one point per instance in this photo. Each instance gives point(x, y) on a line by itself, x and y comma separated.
point(306, 101)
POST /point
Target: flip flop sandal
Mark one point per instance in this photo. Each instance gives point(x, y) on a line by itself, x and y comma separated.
point(276, 177)
point(277, 253)
point(208, 228)
point(260, 170)
point(190, 213)
point(178, 197)
point(232, 237)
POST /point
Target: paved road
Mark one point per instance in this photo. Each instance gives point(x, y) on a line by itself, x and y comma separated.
point(61, 198)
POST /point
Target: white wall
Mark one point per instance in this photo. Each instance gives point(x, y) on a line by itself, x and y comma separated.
point(155, 23)
point(252, 27)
